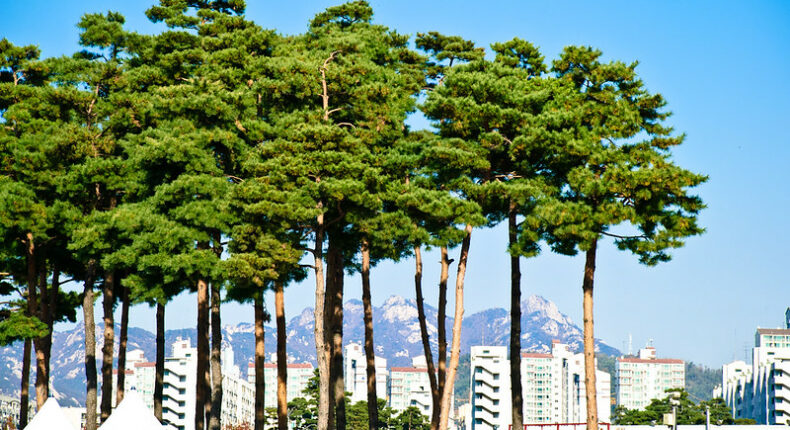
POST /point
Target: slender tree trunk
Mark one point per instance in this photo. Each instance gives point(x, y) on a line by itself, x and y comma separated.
point(159, 379)
point(31, 311)
point(516, 394)
point(370, 353)
point(216, 354)
point(455, 350)
point(24, 397)
point(90, 349)
point(107, 348)
point(441, 320)
point(319, 331)
point(426, 344)
point(53, 306)
point(40, 344)
point(337, 382)
point(201, 390)
point(260, 355)
point(589, 339)
point(328, 327)
point(121, 382)
point(282, 358)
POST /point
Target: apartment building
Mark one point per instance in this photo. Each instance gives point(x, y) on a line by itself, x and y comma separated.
point(179, 383)
point(299, 375)
point(552, 387)
point(410, 386)
point(355, 373)
point(490, 388)
point(644, 378)
point(761, 390)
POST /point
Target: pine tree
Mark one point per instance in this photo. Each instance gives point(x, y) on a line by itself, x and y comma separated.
point(620, 177)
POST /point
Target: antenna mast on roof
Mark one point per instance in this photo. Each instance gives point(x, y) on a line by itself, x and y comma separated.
point(630, 344)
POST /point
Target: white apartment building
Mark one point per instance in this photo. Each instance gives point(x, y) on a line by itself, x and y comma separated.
point(552, 387)
point(761, 390)
point(299, 375)
point(490, 388)
point(644, 378)
point(410, 386)
point(355, 373)
point(179, 384)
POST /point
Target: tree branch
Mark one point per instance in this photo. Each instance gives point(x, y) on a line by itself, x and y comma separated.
point(617, 236)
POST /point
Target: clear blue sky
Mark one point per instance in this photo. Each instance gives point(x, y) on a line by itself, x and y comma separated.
point(724, 68)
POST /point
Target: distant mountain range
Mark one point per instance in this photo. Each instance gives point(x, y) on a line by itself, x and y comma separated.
point(396, 333)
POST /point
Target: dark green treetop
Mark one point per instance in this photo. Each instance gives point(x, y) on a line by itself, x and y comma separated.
point(621, 171)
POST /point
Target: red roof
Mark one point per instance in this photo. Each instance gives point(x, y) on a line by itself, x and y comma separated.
point(128, 372)
point(535, 355)
point(409, 369)
point(144, 364)
point(650, 360)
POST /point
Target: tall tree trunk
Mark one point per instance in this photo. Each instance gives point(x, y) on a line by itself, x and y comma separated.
point(107, 348)
point(24, 397)
point(216, 354)
point(516, 393)
point(455, 350)
point(90, 348)
point(31, 311)
point(328, 327)
point(260, 353)
point(121, 382)
point(426, 344)
point(441, 320)
point(282, 358)
point(53, 306)
point(159, 378)
point(370, 353)
point(201, 390)
point(337, 383)
point(319, 331)
point(589, 339)
point(42, 377)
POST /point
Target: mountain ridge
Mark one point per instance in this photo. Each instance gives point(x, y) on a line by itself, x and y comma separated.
point(396, 335)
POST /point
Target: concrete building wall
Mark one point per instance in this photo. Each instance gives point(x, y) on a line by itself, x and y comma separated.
point(761, 390)
point(640, 380)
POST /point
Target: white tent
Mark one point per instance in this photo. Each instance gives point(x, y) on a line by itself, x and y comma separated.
point(50, 417)
point(132, 414)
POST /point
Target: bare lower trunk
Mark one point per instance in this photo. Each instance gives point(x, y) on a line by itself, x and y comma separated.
point(107, 348)
point(337, 383)
point(260, 352)
point(216, 353)
point(159, 378)
point(516, 395)
point(319, 329)
point(90, 350)
point(24, 396)
point(426, 344)
point(201, 388)
point(121, 382)
point(589, 339)
point(282, 358)
point(455, 350)
point(370, 356)
point(50, 320)
point(328, 325)
point(441, 320)
point(40, 344)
